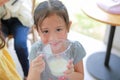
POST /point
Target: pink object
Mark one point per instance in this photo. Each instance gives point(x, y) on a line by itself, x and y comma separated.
point(110, 6)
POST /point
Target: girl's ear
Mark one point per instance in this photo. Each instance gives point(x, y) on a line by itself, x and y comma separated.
point(69, 25)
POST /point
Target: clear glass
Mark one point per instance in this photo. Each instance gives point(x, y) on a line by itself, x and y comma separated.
point(56, 57)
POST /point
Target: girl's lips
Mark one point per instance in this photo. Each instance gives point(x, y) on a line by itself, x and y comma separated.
point(55, 44)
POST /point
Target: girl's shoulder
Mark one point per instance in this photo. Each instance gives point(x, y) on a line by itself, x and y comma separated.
point(77, 47)
point(34, 49)
point(76, 44)
point(37, 44)
point(77, 51)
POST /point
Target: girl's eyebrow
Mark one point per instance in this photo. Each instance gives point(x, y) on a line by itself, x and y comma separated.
point(60, 27)
point(44, 28)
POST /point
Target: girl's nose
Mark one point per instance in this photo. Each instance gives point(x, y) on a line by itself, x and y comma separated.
point(52, 37)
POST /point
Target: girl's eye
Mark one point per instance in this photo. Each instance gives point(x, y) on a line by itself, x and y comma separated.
point(59, 29)
point(45, 31)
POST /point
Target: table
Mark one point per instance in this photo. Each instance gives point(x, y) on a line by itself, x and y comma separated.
point(103, 65)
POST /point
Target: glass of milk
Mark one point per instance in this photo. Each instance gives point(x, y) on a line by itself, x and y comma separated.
point(57, 62)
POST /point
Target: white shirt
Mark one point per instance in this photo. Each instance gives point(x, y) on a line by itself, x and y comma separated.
point(22, 9)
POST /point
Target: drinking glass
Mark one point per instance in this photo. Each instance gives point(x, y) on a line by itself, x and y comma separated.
point(56, 57)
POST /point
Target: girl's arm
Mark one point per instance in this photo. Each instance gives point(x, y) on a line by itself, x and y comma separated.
point(36, 68)
point(77, 74)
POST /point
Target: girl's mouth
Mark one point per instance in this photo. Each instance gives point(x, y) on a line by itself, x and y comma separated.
point(55, 43)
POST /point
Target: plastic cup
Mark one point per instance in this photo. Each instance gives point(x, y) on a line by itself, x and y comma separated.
point(57, 64)
point(57, 61)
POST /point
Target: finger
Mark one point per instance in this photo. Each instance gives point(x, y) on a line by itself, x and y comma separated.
point(38, 58)
point(70, 64)
point(38, 62)
point(38, 67)
point(69, 71)
point(70, 61)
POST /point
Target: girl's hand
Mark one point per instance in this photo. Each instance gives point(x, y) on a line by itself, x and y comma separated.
point(37, 65)
point(70, 68)
point(69, 71)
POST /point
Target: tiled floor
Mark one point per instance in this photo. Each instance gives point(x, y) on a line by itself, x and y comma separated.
point(91, 45)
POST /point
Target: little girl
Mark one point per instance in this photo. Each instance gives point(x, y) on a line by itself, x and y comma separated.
point(52, 23)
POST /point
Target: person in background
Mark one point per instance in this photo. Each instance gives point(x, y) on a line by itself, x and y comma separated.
point(53, 24)
point(16, 19)
point(7, 66)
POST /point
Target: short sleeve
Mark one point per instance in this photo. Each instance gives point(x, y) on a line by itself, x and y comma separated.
point(79, 52)
point(33, 53)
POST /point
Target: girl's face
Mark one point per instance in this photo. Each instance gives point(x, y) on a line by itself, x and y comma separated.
point(53, 30)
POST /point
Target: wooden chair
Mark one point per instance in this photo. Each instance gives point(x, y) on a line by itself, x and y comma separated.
point(33, 31)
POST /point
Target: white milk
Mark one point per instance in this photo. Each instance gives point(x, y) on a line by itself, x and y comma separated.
point(58, 66)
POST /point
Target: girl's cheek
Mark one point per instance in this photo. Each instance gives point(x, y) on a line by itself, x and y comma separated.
point(44, 38)
point(64, 36)
point(45, 41)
